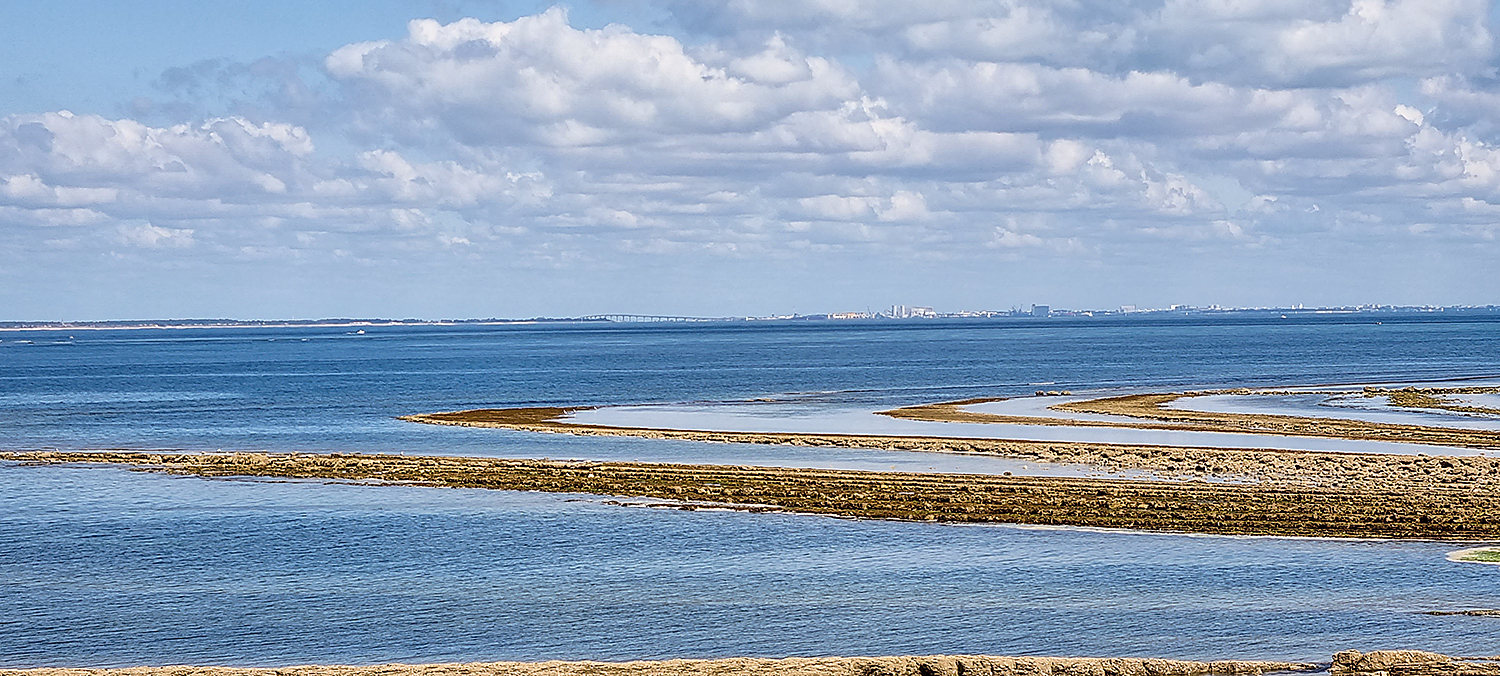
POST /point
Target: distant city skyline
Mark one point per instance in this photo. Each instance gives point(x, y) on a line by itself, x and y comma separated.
point(895, 313)
point(467, 158)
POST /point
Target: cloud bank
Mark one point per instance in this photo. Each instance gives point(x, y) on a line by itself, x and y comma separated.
point(1234, 151)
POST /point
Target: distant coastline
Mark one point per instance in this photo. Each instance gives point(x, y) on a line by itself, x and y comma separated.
point(1037, 312)
point(264, 324)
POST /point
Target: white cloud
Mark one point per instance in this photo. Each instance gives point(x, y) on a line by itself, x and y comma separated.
point(1016, 31)
point(1010, 239)
point(904, 205)
point(31, 190)
point(1385, 38)
point(837, 207)
point(1254, 42)
point(612, 107)
point(150, 236)
point(537, 79)
point(1087, 131)
point(234, 159)
point(445, 183)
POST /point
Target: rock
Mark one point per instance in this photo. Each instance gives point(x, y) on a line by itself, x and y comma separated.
point(1384, 662)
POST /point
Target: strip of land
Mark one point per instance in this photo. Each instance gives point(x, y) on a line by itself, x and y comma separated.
point(1192, 507)
point(817, 666)
point(1293, 469)
point(1435, 397)
point(1151, 411)
point(1347, 663)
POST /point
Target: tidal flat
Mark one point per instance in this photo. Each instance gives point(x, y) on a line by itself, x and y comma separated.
point(1155, 411)
point(1432, 510)
point(1345, 471)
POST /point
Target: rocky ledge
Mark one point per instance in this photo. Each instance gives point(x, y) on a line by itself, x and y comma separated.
point(935, 665)
point(1410, 663)
point(1198, 507)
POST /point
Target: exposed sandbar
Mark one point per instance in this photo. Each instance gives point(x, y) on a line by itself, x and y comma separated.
point(1435, 397)
point(1192, 507)
point(1485, 555)
point(1152, 412)
point(1373, 471)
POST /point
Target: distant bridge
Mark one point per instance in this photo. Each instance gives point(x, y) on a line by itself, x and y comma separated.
point(653, 318)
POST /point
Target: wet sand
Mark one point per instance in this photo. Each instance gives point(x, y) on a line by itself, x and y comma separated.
point(751, 418)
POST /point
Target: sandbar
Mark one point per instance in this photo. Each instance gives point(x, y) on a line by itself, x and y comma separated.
point(1372, 471)
point(1485, 555)
point(1154, 411)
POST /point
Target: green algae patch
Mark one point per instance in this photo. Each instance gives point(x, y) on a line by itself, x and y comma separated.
point(1490, 555)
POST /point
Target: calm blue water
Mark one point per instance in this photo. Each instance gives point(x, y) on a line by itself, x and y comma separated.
point(325, 389)
point(105, 567)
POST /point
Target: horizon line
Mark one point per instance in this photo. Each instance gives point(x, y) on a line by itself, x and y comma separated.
point(1036, 311)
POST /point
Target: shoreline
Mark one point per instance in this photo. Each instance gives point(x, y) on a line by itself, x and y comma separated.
point(736, 666)
point(281, 325)
point(1346, 663)
point(1159, 506)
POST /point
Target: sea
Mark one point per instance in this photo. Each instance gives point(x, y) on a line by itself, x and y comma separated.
point(103, 567)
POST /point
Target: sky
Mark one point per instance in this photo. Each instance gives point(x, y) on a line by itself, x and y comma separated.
point(468, 158)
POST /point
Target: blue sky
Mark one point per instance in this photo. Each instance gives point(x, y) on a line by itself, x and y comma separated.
point(467, 158)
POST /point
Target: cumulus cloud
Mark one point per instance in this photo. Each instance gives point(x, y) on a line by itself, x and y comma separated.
point(1383, 38)
point(539, 79)
point(1253, 42)
point(944, 130)
point(91, 157)
point(611, 101)
point(154, 237)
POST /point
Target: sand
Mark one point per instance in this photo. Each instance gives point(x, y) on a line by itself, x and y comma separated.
point(1373, 471)
point(1153, 412)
